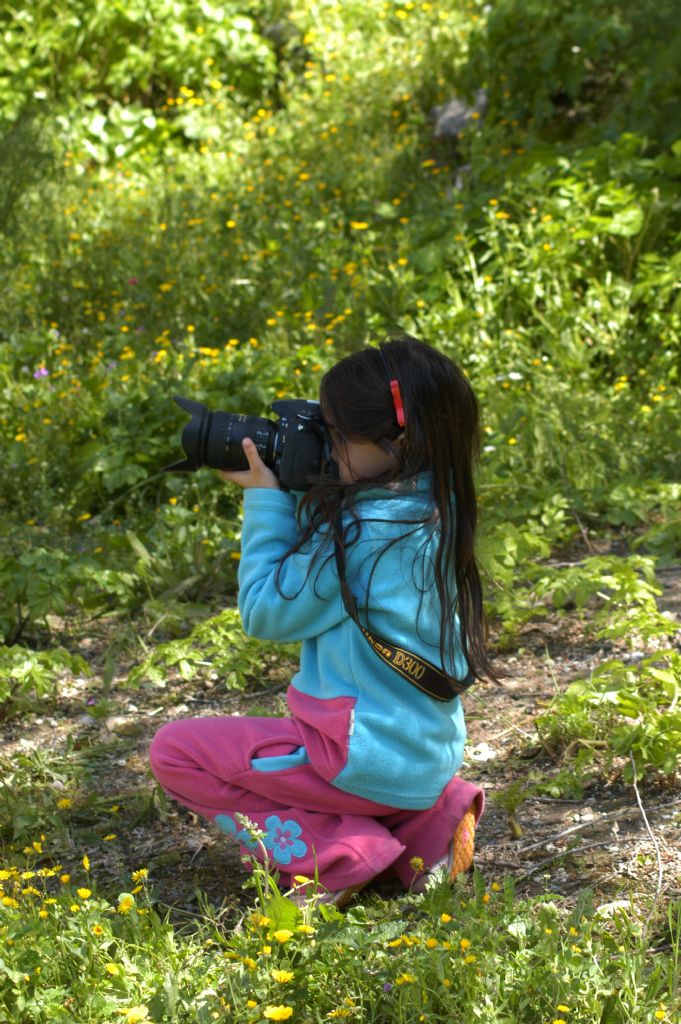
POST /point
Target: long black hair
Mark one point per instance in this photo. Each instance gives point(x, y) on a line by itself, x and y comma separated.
point(442, 437)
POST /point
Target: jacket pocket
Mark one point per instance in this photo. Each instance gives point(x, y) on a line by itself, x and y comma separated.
point(325, 725)
point(280, 762)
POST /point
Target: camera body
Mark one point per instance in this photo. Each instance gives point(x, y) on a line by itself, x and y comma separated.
point(296, 447)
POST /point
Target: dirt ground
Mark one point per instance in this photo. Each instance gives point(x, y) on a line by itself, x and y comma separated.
point(602, 840)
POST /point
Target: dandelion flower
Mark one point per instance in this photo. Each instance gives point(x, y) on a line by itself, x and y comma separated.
point(126, 903)
point(282, 977)
point(465, 943)
point(358, 225)
point(84, 894)
point(113, 969)
point(278, 1012)
point(135, 1014)
point(283, 935)
point(416, 864)
point(86, 862)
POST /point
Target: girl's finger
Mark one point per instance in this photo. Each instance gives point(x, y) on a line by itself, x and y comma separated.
point(252, 454)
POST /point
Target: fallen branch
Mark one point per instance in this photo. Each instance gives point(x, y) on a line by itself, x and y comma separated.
point(562, 853)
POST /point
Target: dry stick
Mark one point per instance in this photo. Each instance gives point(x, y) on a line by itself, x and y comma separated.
point(500, 714)
point(562, 853)
point(611, 816)
point(649, 830)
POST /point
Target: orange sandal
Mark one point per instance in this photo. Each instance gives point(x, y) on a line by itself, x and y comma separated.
point(459, 857)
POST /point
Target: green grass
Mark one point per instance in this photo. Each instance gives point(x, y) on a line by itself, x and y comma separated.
point(224, 216)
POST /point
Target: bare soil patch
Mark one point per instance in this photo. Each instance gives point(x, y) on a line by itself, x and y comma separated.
point(557, 845)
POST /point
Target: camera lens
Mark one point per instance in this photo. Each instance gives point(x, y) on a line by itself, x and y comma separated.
point(215, 438)
point(225, 436)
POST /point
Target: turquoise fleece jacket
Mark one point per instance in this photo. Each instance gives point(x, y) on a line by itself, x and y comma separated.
point(367, 730)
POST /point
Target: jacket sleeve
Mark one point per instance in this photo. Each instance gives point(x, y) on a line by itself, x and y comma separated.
point(308, 600)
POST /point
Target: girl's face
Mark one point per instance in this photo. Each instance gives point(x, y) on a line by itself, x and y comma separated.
point(361, 460)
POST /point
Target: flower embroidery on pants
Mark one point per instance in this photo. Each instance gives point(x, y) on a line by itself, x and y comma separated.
point(228, 825)
point(282, 839)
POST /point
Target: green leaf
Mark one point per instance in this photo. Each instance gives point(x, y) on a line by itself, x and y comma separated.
point(627, 222)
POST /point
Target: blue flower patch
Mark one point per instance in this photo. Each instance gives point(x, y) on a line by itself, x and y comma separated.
point(228, 825)
point(282, 839)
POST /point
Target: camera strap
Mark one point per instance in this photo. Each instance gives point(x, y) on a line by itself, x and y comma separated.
point(412, 667)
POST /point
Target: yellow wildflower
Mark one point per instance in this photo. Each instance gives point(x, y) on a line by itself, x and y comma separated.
point(125, 903)
point(278, 1012)
point(283, 935)
point(282, 977)
point(135, 1014)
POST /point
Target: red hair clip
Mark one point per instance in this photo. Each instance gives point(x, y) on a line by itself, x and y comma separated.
point(397, 402)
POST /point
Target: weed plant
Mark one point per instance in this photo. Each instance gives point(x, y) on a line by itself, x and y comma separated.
point(219, 202)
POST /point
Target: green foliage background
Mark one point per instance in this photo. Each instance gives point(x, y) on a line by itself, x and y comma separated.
point(220, 200)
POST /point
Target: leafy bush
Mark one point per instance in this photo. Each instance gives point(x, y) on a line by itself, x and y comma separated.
point(598, 68)
point(645, 694)
point(27, 676)
point(216, 648)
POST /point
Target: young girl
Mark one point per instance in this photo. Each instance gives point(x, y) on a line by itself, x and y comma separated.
point(360, 780)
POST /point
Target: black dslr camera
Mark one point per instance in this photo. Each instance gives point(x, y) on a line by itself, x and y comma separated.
point(297, 447)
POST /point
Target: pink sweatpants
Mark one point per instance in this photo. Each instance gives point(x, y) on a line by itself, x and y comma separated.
point(207, 765)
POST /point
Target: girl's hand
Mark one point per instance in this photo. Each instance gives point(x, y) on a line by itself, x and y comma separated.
point(257, 474)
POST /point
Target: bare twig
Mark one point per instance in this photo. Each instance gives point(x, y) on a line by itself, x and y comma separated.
point(562, 853)
point(584, 532)
point(648, 828)
point(611, 816)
